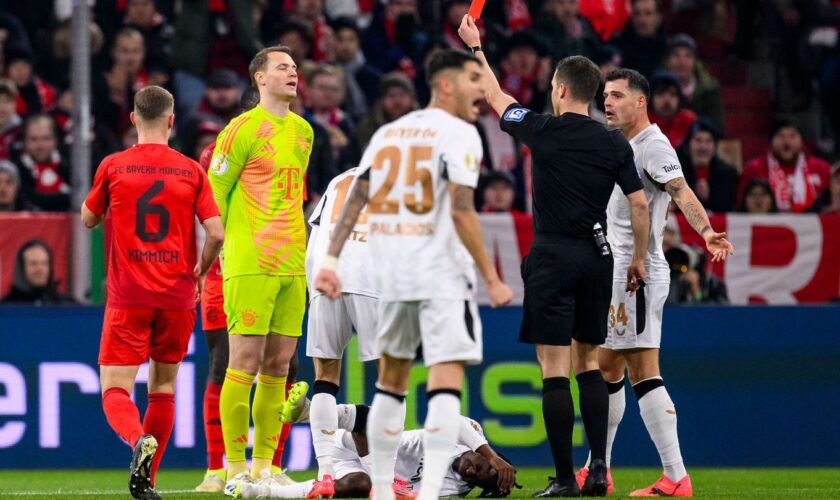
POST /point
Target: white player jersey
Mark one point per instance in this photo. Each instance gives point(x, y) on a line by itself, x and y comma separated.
point(412, 161)
point(409, 466)
point(355, 268)
point(657, 163)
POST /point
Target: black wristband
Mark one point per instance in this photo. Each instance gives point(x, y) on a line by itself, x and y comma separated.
point(475, 49)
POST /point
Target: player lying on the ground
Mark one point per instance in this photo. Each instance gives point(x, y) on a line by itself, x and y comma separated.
point(468, 468)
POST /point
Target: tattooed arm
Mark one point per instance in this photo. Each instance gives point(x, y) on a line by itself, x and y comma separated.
point(695, 214)
point(469, 230)
point(326, 281)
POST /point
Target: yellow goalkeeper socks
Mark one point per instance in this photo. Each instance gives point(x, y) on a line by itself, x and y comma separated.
point(234, 411)
point(268, 399)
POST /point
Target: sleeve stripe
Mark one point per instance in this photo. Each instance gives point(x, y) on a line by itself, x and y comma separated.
point(233, 128)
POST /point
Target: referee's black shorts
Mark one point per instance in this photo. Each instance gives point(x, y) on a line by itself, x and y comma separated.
point(567, 292)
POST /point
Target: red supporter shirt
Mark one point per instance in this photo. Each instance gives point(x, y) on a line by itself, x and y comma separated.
point(215, 272)
point(154, 194)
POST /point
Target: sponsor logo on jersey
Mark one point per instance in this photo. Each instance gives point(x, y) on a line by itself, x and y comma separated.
point(516, 114)
point(219, 164)
point(672, 167)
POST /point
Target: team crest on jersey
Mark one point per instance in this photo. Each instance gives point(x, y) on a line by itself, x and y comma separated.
point(471, 162)
point(219, 164)
point(516, 114)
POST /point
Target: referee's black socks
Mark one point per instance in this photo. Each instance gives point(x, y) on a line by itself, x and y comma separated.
point(594, 411)
point(559, 416)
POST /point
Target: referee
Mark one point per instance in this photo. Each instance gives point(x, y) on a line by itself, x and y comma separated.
point(568, 274)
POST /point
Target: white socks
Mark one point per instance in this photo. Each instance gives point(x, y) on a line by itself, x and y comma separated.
point(439, 437)
point(660, 418)
point(324, 422)
point(617, 406)
point(347, 417)
point(384, 429)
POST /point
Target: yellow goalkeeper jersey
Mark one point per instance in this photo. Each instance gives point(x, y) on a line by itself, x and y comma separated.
point(258, 180)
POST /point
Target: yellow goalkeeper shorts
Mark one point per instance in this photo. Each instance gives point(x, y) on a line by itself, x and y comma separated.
point(258, 304)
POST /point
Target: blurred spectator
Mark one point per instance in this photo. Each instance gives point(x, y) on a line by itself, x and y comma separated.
point(565, 31)
point(361, 79)
point(205, 135)
point(608, 17)
point(499, 193)
point(326, 93)
point(129, 137)
point(700, 89)
point(34, 94)
point(714, 181)
point(33, 278)
point(122, 80)
point(453, 12)
point(396, 98)
point(11, 199)
point(296, 36)
point(643, 43)
point(525, 72)
point(58, 67)
point(13, 36)
point(667, 108)
point(829, 201)
point(796, 178)
point(395, 40)
point(44, 175)
point(362, 10)
point(758, 198)
point(102, 140)
point(210, 35)
point(690, 284)
point(159, 35)
point(311, 14)
point(219, 106)
point(10, 121)
point(608, 59)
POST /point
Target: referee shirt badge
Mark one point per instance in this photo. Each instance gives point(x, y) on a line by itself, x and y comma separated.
point(515, 114)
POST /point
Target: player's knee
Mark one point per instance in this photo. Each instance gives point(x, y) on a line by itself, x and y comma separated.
point(353, 485)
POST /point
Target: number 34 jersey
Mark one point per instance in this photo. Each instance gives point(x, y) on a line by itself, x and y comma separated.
point(412, 161)
point(153, 194)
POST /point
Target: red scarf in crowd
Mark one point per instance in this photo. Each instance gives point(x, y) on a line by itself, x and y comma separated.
point(794, 193)
point(46, 174)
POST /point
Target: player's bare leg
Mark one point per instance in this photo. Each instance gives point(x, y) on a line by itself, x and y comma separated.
point(660, 418)
point(442, 424)
point(217, 351)
point(385, 423)
point(117, 384)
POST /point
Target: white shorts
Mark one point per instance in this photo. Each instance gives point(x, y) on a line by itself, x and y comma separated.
point(345, 458)
point(623, 318)
point(331, 323)
point(449, 329)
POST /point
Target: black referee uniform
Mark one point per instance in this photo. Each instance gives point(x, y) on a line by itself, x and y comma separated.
point(568, 276)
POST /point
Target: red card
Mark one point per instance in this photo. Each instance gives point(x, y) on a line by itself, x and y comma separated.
point(475, 9)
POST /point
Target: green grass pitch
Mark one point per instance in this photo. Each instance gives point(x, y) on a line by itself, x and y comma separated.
point(178, 484)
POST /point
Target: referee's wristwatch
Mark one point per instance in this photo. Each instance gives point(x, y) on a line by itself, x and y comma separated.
point(475, 49)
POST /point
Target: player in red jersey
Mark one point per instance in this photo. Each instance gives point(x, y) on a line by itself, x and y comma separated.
point(214, 323)
point(153, 194)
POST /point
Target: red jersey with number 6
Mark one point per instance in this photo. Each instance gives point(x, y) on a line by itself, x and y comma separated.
point(154, 194)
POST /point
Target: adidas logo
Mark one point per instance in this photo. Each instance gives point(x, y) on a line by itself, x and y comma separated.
point(241, 439)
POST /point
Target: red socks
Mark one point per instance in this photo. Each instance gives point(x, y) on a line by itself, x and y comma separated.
point(122, 415)
point(213, 427)
point(284, 434)
point(158, 421)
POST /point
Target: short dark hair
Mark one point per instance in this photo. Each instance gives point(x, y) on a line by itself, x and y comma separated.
point(8, 88)
point(39, 118)
point(581, 75)
point(259, 62)
point(635, 80)
point(250, 98)
point(153, 102)
point(447, 59)
point(346, 23)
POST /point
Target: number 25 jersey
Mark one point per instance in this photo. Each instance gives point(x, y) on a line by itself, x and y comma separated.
point(412, 161)
point(153, 194)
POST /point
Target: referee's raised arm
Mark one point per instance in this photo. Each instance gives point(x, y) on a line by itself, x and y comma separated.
point(497, 99)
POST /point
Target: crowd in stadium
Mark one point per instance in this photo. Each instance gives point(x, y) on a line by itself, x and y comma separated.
point(743, 90)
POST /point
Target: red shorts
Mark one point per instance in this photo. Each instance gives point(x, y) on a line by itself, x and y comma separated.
point(131, 336)
point(213, 306)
